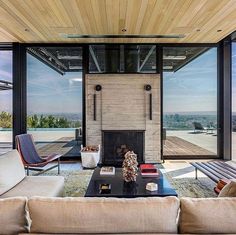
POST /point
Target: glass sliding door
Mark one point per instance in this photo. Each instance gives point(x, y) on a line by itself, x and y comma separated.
point(6, 86)
point(233, 152)
point(190, 102)
point(54, 99)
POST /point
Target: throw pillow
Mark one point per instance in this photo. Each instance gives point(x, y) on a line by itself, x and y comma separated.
point(229, 190)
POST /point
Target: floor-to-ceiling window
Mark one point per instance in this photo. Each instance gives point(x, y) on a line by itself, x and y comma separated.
point(5, 100)
point(233, 101)
point(190, 102)
point(54, 99)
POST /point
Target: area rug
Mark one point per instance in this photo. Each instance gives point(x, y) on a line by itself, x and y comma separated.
point(76, 183)
point(190, 187)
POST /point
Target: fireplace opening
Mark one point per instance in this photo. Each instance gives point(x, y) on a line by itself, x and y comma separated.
point(117, 143)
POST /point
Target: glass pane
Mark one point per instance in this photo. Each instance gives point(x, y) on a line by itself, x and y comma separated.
point(234, 101)
point(122, 59)
point(54, 99)
point(5, 101)
point(190, 101)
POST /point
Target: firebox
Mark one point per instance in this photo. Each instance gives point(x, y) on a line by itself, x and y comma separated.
point(117, 143)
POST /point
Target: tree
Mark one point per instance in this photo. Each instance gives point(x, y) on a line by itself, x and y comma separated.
point(5, 120)
point(63, 123)
point(33, 121)
point(51, 122)
point(48, 122)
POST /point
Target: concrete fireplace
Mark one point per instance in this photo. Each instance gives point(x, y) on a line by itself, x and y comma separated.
point(124, 103)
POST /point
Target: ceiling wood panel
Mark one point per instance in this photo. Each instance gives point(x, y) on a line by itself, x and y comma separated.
point(49, 20)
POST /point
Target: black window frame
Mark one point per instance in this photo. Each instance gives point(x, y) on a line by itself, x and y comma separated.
point(19, 80)
point(219, 101)
point(122, 44)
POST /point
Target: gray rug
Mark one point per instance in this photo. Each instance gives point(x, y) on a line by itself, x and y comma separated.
point(76, 183)
point(190, 187)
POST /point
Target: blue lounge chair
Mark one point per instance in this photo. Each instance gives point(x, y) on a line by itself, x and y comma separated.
point(30, 157)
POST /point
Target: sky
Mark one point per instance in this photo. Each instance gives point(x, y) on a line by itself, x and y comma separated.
point(193, 88)
point(50, 92)
point(6, 75)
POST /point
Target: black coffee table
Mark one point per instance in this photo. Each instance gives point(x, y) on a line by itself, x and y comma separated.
point(121, 189)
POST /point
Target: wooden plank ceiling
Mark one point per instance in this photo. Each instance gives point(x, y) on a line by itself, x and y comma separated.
point(201, 21)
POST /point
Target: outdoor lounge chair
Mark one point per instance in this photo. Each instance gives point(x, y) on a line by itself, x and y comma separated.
point(198, 127)
point(30, 157)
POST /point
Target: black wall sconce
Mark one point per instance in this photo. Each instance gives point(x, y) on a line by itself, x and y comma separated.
point(96, 88)
point(149, 88)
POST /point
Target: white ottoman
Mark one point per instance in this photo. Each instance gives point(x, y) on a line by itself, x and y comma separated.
point(90, 159)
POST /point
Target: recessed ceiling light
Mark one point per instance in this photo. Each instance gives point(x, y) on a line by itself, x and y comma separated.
point(26, 30)
point(171, 57)
point(168, 67)
point(198, 30)
point(123, 30)
point(219, 30)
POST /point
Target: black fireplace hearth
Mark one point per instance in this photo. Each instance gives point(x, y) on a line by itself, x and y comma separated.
point(117, 143)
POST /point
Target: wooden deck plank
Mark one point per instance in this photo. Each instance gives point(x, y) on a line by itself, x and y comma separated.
point(65, 146)
point(178, 146)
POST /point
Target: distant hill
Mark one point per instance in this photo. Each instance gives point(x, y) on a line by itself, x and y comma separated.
point(192, 113)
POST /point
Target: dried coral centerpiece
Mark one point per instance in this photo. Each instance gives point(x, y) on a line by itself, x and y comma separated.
point(130, 167)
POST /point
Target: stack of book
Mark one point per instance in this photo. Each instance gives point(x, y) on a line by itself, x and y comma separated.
point(149, 170)
point(107, 170)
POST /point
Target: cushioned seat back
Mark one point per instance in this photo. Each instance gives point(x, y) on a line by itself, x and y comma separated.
point(27, 149)
point(208, 215)
point(13, 216)
point(11, 170)
point(103, 215)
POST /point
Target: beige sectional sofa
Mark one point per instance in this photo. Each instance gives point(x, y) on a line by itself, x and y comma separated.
point(167, 215)
point(14, 182)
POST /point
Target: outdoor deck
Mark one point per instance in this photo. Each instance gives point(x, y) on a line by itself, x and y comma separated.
point(178, 143)
point(175, 146)
point(66, 146)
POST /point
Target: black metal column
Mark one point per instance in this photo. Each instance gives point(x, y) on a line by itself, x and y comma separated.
point(85, 71)
point(224, 57)
point(19, 90)
point(160, 71)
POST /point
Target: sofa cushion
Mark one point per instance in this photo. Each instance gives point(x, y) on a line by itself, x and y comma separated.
point(48, 186)
point(103, 215)
point(13, 218)
point(229, 190)
point(11, 170)
point(109, 234)
point(208, 215)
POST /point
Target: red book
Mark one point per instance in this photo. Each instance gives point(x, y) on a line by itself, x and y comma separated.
point(148, 168)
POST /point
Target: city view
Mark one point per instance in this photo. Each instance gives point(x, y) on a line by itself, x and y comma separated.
point(184, 121)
